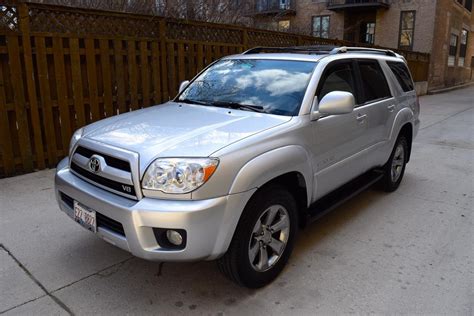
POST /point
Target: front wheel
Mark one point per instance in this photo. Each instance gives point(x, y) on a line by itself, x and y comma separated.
point(263, 240)
point(394, 169)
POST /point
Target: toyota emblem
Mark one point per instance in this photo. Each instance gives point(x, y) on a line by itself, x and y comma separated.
point(94, 164)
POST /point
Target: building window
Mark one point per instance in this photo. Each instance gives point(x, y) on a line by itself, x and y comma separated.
point(320, 27)
point(407, 29)
point(369, 33)
point(284, 25)
point(453, 49)
point(284, 4)
point(463, 48)
point(468, 5)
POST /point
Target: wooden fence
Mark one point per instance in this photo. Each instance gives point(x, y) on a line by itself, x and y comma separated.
point(62, 68)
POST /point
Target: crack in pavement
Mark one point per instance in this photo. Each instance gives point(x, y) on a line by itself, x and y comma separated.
point(24, 303)
point(37, 282)
point(431, 200)
point(447, 145)
point(446, 118)
point(93, 274)
point(160, 269)
point(62, 287)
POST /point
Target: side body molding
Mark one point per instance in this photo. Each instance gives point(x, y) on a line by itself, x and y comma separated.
point(272, 164)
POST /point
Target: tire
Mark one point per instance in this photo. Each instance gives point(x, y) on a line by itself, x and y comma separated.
point(394, 169)
point(237, 263)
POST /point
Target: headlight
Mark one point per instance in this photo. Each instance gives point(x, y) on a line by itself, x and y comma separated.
point(178, 175)
point(74, 139)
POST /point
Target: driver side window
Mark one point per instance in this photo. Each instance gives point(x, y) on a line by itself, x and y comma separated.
point(338, 77)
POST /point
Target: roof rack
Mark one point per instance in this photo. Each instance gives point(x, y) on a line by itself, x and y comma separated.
point(345, 49)
point(320, 49)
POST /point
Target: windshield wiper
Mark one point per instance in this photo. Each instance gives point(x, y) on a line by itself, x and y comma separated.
point(236, 105)
point(226, 104)
point(190, 101)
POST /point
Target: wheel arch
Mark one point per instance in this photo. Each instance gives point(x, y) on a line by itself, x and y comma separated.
point(295, 183)
point(288, 166)
point(407, 131)
point(402, 125)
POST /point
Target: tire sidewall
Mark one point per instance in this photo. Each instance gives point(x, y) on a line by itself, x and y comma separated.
point(391, 185)
point(268, 197)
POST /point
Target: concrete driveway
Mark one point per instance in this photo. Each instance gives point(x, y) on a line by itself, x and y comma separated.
point(407, 252)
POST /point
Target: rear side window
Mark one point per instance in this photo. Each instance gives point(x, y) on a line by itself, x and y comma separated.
point(338, 77)
point(402, 74)
point(374, 83)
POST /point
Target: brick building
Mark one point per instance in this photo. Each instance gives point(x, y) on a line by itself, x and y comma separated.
point(443, 28)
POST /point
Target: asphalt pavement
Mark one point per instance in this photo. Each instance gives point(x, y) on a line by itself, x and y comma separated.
point(408, 252)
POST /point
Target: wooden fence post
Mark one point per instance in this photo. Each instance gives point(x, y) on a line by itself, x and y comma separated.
point(6, 146)
point(30, 83)
point(300, 40)
point(245, 40)
point(164, 63)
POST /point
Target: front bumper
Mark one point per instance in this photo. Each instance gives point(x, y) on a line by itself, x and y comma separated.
point(209, 224)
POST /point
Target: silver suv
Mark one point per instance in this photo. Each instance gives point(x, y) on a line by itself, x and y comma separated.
point(251, 149)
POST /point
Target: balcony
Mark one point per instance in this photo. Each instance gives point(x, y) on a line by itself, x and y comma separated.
point(272, 7)
point(337, 5)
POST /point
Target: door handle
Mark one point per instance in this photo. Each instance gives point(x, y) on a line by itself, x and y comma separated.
point(361, 118)
point(391, 107)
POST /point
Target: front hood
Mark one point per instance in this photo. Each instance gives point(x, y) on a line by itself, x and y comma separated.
point(179, 130)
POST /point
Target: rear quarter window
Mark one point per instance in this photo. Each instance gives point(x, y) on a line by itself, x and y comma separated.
point(402, 74)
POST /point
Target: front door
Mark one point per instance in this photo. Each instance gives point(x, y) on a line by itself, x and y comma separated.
point(339, 140)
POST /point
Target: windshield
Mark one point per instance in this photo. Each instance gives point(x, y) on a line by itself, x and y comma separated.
point(270, 86)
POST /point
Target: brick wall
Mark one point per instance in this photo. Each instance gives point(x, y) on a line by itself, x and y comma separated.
point(388, 24)
point(451, 18)
point(434, 22)
point(306, 9)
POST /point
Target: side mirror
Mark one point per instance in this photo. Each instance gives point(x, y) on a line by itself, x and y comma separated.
point(337, 102)
point(183, 85)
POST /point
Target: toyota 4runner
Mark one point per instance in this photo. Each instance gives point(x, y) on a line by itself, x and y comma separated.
point(250, 149)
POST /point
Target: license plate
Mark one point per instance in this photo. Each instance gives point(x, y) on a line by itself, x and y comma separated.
point(85, 216)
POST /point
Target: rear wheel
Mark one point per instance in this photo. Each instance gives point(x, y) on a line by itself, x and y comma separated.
point(394, 169)
point(263, 240)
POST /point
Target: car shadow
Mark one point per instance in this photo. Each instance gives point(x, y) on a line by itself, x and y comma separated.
point(329, 224)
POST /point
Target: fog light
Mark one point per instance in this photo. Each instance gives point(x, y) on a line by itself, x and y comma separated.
point(170, 238)
point(174, 237)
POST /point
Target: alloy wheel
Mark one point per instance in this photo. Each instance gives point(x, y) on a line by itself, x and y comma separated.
point(269, 238)
point(397, 162)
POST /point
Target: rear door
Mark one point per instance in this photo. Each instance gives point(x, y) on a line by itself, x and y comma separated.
point(338, 139)
point(406, 94)
point(379, 104)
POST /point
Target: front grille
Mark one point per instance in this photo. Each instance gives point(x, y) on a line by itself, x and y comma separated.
point(111, 161)
point(102, 220)
point(126, 189)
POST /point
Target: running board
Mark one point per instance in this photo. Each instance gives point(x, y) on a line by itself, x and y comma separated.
point(337, 197)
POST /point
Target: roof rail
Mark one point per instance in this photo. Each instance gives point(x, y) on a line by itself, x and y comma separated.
point(321, 49)
point(345, 49)
point(324, 49)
